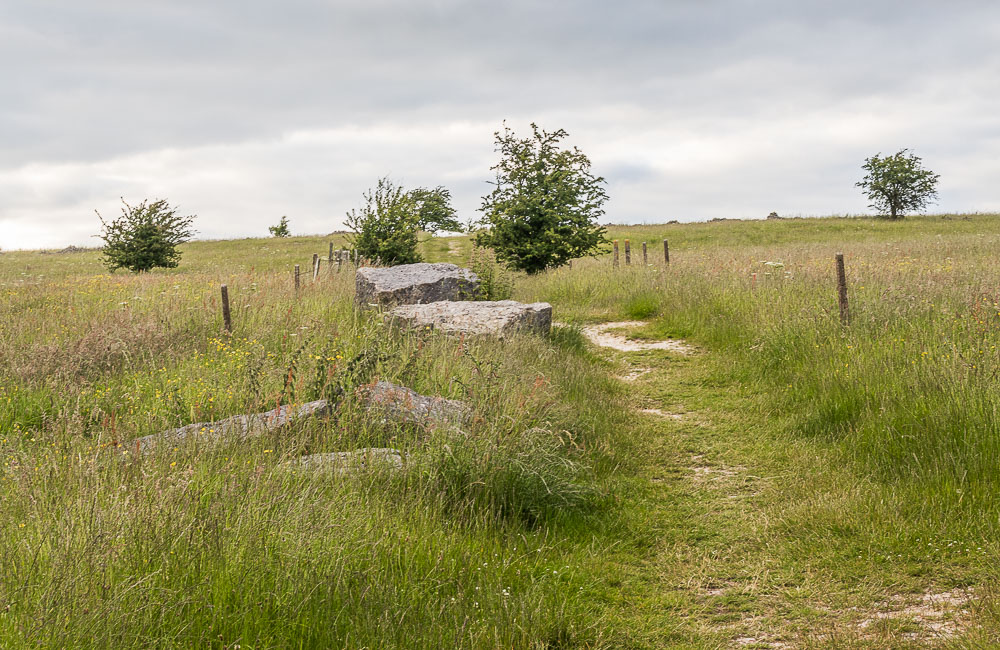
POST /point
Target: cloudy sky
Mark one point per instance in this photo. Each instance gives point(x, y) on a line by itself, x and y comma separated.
point(244, 111)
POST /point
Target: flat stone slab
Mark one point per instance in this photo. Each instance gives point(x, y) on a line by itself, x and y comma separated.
point(344, 462)
point(411, 284)
point(399, 404)
point(235, 427)
point(477, 316)
point(385, 400)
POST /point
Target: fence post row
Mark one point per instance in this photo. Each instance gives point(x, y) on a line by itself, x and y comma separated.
point(845, 314)
point(227, 320)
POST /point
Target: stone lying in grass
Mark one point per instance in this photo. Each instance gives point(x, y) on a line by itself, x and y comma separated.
point(387, 401)
point(414, 284)
point(343, 462)
point(477, 317)
point(398, 404)
point(237, 426)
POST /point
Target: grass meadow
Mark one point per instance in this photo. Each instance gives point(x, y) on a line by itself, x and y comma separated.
point(817, 481)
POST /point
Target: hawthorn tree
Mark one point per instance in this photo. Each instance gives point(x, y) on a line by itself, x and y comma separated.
point(545, 203)
point(385, 228)
point(280, 229)
point(145, 236)
point(434, 211)
point(898, 184)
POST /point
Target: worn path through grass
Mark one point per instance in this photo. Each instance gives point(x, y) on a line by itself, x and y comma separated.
point(742, 536)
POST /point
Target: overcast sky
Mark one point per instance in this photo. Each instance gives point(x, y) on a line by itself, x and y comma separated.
point(243, 111)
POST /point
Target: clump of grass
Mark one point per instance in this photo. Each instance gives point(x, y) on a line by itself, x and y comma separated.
point(495, 281)
point(642, 305)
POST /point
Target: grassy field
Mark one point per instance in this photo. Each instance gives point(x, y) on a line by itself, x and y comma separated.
point(800, 484)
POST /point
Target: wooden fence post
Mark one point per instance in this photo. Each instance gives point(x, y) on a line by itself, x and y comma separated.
point(340, 259)
point(845, 314)
point(628, 254)
point(315, 265)
point(616, 253)
point(297, 278)
point(645, 258)
point(227, 320)
point(666, 252)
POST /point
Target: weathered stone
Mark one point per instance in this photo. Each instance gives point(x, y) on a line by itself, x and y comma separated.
point(477, 317)
point(410, 284)
point(398, 404)
point(343, 462)
point(235, 427)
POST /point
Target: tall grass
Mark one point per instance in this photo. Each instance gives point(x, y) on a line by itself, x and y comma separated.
point(907, 392)
point(219, 544)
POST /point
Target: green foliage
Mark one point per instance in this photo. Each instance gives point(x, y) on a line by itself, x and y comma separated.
point(280, 230)
point(545, 203)
point(385, 229)
point(434, 210)
point(495, 283)
point(898, 184)
point(144, 237)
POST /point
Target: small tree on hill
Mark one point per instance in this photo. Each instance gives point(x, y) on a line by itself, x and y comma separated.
point(146, 236)
point(545, 203)
point(281, 229)
point(385, 229)
point(898, 184)
point(434, 211)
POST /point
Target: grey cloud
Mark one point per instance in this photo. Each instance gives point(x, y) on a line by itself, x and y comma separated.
point(778, 98)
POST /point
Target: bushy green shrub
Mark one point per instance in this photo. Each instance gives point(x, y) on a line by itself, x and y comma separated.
point(434, 211)
point(385, 228)
point(281, 229)
point(144, 237)
point(545, 203)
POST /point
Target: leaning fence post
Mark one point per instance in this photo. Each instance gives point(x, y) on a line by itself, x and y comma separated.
point(628, 254)
point(666, 252)
point(315, 265)
point(845, 314)
point(297, 282)
point(645, 258)
point(227, 320)
point(616, 253)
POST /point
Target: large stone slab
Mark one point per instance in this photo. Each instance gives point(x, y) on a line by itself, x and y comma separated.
point(235, 427)
point(387, 401)
point(345, 462)
point(409, 284)
point(477, 316)
point(399, 404)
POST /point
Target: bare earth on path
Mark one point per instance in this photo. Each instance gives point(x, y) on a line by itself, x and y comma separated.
point(603, 336)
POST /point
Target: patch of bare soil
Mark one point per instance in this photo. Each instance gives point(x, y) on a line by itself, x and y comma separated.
point(936, 615)
point(662, 414)
point(704, 473)
point(602, 336)
point(635, 373)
